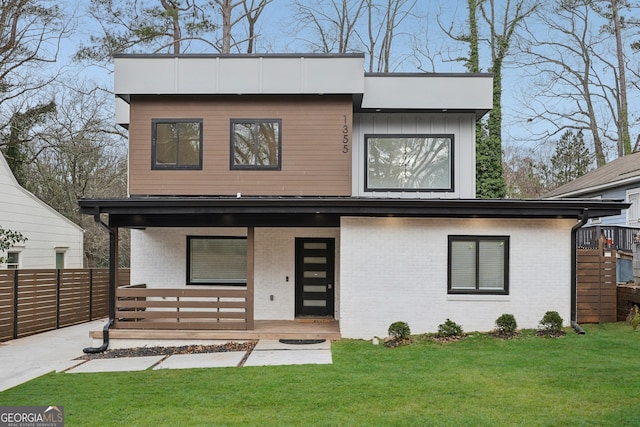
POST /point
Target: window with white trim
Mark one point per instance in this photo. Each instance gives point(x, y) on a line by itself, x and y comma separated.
point(59, 260)
point(216, 260)
point(13, 260)
point(633, 213)
point(409, 162)
point(478, 265)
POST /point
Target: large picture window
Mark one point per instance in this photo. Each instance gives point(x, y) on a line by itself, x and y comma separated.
point(478, 264)
point(216, 260)
point(256, 144)
point(176, 144)
point(409, 162)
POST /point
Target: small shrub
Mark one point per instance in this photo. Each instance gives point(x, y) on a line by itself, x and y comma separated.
point(551, 324)
point(449, 329)
point(634, 317)
point(399, 331)
point(506, 324)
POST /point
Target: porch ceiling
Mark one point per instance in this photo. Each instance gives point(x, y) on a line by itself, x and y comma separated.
point(157, 211)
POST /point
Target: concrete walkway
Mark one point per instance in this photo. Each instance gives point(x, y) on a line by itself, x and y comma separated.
point(27, 358)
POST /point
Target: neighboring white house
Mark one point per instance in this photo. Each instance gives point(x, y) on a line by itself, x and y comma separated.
point(53, 240)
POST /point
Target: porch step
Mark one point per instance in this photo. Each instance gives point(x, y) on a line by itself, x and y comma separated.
point(272, 330)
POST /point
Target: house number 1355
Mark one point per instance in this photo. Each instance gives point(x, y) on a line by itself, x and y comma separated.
point(345, 136)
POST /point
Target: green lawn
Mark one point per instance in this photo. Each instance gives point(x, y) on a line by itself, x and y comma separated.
point(591, 379)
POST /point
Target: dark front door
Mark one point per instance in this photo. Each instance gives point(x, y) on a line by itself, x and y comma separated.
point(315, 265)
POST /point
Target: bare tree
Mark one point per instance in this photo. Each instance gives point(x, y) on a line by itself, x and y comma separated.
point(577, 77)
point(611, 12)
point(251, 11)
point(383, 20)
point(520, 164)
point(30, 36)
point(332, 24)
point(495, 24)
point(82, 154)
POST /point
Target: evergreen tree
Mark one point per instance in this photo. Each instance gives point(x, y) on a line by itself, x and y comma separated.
point(571, 160)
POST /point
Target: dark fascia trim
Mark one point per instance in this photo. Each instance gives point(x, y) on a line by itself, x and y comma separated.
point(240, 55)
point(355, 206)
point(427, 74)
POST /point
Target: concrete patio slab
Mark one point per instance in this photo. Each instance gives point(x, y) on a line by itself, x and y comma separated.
point(277, 345)
point(289, 357)
point(24, 359)
point(117, 365)
point(203, 360)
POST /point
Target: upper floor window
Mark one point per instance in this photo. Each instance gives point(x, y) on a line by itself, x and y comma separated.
point(256, 144)
point(176, 144)
point(409, 162)
point(478, 265)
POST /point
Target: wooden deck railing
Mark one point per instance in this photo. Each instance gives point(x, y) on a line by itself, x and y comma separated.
point(613, 237)
point(138, 307)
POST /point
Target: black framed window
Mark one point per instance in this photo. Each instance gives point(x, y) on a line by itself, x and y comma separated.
point(478, 264)
point(256, 143)
point(176, 144)
point(409, 162)
point(215, 260)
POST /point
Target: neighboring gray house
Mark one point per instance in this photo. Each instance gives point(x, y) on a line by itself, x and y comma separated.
point(619, 179)
point(53, 240)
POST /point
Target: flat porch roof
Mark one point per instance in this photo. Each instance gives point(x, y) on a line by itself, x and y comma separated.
point(162, 211)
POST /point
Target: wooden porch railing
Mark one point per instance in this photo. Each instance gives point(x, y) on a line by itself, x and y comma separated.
point(138, 307)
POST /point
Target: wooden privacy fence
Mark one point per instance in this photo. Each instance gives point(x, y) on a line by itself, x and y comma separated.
point(596, 286)
point(33, 301)
point(138, 307)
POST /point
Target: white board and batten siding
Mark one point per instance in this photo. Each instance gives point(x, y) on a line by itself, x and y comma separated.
point(48, 232)
point(400, 274)
point(461, 126)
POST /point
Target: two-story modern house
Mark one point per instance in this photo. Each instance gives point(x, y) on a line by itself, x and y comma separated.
point(299, 188)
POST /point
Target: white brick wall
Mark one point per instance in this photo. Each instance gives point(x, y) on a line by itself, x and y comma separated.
point(387, 269)
point(159, 255)
point(396, 269)
point(158, 258)
point(274, 262)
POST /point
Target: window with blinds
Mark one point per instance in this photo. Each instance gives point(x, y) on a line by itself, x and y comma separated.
point(217, 260)
point(478, 264)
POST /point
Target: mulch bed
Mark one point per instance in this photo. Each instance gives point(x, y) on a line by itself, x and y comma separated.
point(551, 334)
point(168, 351)
point(505, 335)
point(452, 338)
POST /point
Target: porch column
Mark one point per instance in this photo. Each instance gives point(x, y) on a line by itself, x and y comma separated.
point(250, 275)
point(113, 270)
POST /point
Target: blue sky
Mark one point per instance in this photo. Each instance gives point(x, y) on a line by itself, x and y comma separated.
point(421, 31)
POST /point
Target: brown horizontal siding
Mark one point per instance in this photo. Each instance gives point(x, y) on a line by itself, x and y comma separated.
point(313, 162)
